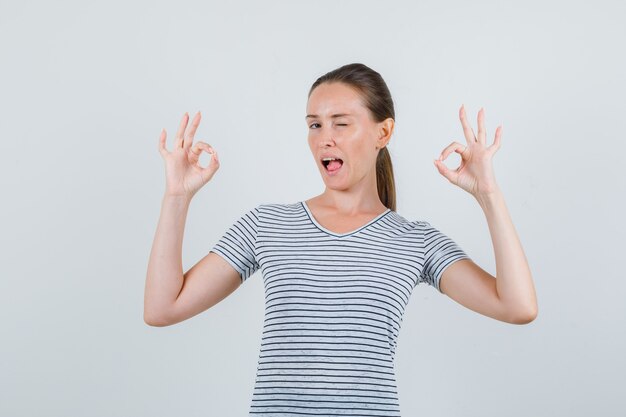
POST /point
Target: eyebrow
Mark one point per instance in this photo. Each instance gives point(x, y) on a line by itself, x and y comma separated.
point(334, 115)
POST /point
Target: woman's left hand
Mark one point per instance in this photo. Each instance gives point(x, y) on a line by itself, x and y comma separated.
point(475, 174)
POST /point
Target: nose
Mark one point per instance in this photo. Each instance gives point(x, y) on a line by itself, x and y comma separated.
point(323, 137)
point(326, 144)
point(327, 139)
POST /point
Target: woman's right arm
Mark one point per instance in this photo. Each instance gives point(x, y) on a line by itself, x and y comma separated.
point(164, 278)
point(171, 296)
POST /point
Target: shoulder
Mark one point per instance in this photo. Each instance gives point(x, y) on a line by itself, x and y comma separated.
point(419, 229)
point(278, 206)
point(278, 211)
point(415, 226)
point(421, 226)
point(399, 225)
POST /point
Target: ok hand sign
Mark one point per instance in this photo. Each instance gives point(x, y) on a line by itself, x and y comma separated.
point(183, 173)
point(475, 174)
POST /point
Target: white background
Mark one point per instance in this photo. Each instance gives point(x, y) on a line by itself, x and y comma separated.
point(86, 88)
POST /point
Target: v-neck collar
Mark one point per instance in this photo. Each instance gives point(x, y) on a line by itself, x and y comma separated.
point(330, 232)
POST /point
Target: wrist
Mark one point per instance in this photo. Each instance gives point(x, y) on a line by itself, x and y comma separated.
point(489, 199)
point(176, 198)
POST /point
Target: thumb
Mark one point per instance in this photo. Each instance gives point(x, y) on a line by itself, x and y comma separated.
point(443, 170)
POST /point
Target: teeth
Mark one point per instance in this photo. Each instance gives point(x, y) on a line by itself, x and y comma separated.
point(329, 159)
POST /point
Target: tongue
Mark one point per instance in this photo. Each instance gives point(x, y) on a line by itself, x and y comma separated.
point(333, 165)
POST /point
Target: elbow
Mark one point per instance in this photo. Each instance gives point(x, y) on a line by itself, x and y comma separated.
point(154, 320)
point(525, 317)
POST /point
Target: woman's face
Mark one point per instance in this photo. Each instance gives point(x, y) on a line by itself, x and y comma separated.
point(341, 126)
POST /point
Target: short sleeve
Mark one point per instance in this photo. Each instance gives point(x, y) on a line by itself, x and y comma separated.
point(238, 244)
point(440, 251)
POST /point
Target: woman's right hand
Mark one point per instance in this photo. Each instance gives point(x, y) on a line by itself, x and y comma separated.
point(183, 174)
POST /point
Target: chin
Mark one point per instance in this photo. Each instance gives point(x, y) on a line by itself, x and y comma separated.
point(336, 185)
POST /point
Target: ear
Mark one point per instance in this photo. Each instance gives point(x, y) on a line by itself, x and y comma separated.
point(385, 129)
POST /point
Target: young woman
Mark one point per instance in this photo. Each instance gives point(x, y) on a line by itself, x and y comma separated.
point(338, 268)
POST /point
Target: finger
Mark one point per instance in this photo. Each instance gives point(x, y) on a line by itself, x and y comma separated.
point(473, 134)
point(162, 148)
point(496, 141)
point(194, 153)
point(181, 130)
point(445, 171)
point(482, 133)
point(215, 161)
point(454, 147)
point(188, 140)
point(467, 129)
point(202, 146)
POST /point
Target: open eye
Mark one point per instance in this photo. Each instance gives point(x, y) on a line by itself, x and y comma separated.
point(313, 124)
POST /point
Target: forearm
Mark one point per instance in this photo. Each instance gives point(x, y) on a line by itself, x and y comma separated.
point(164, 278)
point(514, 281)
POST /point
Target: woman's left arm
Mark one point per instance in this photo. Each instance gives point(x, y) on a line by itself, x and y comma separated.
point(510, 296)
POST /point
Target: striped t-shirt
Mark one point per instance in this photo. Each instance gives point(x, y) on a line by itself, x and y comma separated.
point(333, 305)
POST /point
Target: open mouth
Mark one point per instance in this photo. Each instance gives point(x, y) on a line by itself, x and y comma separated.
point(332, 165)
